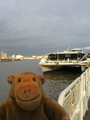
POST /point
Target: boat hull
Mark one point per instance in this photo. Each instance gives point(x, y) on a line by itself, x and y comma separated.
point(50, 68)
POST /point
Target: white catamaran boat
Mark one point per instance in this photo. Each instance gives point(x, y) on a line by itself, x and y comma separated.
point(74, 58)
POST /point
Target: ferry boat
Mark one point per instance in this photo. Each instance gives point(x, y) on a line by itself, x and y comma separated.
point(74, 58)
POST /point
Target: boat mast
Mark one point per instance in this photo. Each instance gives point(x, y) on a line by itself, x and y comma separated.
point(57, 55)
point(67, 48)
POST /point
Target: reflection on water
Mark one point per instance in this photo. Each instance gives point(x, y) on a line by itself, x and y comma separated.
point(59, 80)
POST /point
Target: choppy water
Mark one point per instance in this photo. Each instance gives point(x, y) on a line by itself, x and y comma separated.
point(54, 82)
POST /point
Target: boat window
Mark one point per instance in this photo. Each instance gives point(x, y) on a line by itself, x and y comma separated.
point(82, 55)
point(61, 56)
point(74, 56)
point(66, 56)
point(88, 56)
point(52, 57)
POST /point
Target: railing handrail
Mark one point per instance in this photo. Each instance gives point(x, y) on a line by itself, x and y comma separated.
point(75, 97)
point(66, 90)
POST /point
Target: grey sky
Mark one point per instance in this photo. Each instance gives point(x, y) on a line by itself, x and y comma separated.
point(37, 27)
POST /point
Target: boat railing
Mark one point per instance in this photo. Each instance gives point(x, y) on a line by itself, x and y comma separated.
point(74, 98)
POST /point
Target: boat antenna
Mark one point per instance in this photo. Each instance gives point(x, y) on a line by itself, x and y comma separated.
point(68, 47)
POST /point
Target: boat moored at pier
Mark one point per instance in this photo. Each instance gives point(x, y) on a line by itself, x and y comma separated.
point(74, 58)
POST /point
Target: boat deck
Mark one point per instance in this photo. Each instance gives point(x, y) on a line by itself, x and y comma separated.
point(87, 115)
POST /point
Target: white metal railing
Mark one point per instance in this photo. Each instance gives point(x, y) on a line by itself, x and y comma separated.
point(74, 98)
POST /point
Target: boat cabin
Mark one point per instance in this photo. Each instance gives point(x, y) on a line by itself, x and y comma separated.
point(65, 56)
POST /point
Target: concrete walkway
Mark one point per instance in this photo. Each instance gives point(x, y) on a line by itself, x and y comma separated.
point(87, 115)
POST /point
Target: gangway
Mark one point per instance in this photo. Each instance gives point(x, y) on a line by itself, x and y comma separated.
point(75, 97)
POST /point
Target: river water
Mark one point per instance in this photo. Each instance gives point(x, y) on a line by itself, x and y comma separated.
point(54, 82)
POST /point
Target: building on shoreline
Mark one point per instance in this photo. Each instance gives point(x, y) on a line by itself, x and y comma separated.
point(3, 55)
point(17, 57)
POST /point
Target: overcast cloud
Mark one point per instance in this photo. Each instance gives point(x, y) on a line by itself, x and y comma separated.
point(37, 27)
